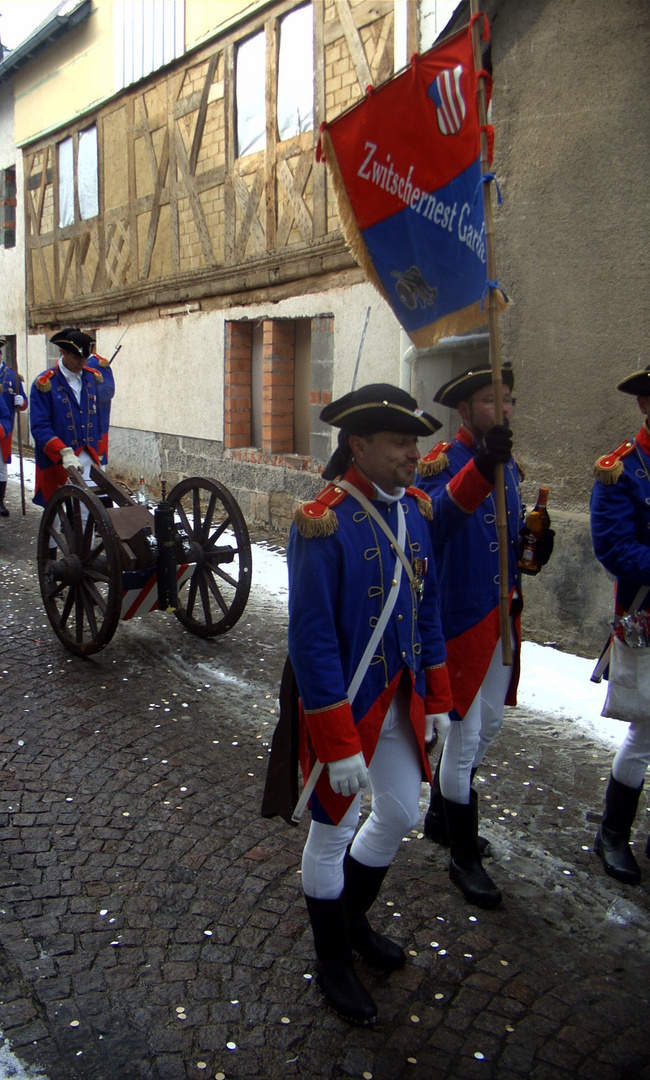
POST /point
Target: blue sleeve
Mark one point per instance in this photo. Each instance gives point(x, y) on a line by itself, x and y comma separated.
point(619, 514)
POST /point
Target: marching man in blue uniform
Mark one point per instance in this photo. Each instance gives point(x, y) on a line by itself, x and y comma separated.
point(620, 530)
point(368, 654)
point(64, 417)
point(460, 478)
point(13, 393)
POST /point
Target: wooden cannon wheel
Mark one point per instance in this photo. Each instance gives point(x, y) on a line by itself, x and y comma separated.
point(79, 570)
point(213, 597)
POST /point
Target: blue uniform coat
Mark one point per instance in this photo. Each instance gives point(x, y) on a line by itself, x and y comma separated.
point(338, 585)
point(57, 420)
point(620, 517)
point(10, 385)
point(465, 542)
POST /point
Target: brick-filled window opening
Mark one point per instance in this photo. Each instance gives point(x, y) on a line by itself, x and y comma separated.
point(268, 386)
point(8, 208)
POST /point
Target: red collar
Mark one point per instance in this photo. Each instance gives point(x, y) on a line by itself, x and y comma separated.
point(643, 438)
point(365, 487)
point(465, 436)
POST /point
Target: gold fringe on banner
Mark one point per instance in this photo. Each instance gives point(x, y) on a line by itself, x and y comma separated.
point(457, 322)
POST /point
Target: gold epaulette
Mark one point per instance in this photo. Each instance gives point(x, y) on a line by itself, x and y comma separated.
point(423, 501)
point(43, 382)
point(97, 374)
point(317, 518)
point(609, 467)
point(103, 362)
point(436, 461)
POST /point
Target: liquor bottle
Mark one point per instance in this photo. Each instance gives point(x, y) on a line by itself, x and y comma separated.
point(142, 495)
point(537, 524)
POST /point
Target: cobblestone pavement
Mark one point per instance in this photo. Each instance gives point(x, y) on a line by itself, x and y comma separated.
point(152, 923)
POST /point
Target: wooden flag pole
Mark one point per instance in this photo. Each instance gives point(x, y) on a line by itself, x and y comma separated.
point(495, 351)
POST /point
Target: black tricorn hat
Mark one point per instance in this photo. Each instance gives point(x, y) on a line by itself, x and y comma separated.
point(638, 383)
point(463, 386)
point(73, 341)
point(379, 407)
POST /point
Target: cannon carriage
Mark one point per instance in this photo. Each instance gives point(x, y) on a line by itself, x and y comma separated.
point(103, 557)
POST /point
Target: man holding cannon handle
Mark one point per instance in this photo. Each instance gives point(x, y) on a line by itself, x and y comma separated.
point(367, 650)
point(64, 415)
point(620, 531)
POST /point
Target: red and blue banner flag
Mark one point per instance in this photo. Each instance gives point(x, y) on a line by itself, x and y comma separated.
point(405, 166)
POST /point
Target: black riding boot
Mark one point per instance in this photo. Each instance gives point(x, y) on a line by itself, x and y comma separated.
point(335, 972)
point(465, 868)
point(362, 884)
point(435, 822)
point(613, 836)
point(3, 489)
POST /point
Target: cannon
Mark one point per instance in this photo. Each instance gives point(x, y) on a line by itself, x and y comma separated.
point(104, 557)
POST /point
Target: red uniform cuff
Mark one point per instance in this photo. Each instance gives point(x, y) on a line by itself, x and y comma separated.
point(468, 489)
point(53, 449)
point(333, 733)
point(437, 695)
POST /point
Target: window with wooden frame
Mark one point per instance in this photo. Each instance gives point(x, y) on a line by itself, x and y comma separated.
point(8, 208)
point(295, 108)
point(295, 82)
point(78, 186)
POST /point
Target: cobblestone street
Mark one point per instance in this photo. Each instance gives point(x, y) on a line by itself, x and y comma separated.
point(152, 925)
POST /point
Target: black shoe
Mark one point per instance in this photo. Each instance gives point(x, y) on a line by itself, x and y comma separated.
point(465, 868)
point(346, 993)
point(335, 973)
point(435, 822)
point(617, 858)
point(475, 884)
point(3, 510)
point(362, 884)
point(613, 838)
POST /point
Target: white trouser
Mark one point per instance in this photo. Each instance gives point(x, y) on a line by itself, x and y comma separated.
point(633, 755)
point(3, 469)
point(395, 774)
point(469, 738)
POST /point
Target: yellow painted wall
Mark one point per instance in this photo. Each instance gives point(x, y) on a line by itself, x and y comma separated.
point(76, 72)
point(205, 17)
point(66, 79)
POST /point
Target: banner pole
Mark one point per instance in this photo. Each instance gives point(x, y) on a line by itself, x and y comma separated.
point(495, 349)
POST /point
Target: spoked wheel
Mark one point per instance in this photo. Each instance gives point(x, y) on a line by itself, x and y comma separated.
point(214, 594)
point(79, 570)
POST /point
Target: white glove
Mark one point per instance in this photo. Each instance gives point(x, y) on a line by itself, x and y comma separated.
point(69, 459)
point(436, 728)
point(19, 401)
point(348, 775)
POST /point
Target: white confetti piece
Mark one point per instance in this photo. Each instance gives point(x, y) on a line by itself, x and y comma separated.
point(208, 933)
point(285, 1020)
point(415, 1019)
point(74, 1023)
point(479, 1056)
point(231, 1045)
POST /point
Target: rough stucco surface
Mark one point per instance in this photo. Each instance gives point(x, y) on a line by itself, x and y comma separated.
point(571, 107)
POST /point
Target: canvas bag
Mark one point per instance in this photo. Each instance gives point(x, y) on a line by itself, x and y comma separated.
point(628, 692)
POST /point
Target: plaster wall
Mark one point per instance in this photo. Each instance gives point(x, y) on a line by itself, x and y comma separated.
point(12, 260)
